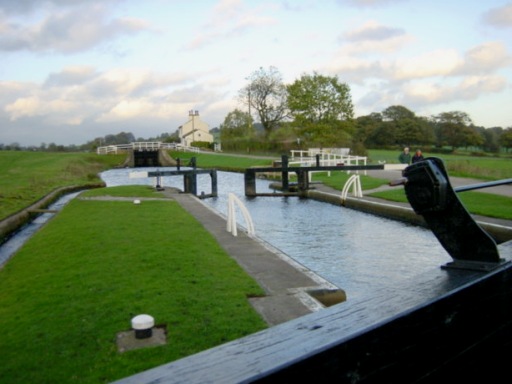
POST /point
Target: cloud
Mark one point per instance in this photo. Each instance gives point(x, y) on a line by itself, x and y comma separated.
point(18, 6)
point(134, 109)
point(66, 30)
point(70, 76)
point(229, 19)
point(27, 6)
point(373, 37)
point(424, 93)
point(373, 31)
point(485, 58)
point(368, 3)
point(500, 17)
point(48, 107)
point(80, 94)
point(78, 103)
point(23, 106)
point(480, 60)
point(440, 62)
point(430, 78)
point(469, 88)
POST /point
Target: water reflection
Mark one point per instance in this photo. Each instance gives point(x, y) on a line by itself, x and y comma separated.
point(358, 252)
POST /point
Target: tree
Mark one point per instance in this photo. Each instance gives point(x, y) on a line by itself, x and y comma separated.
point(491, 138)
point(397, 112)
point(406, 127)
point(452, 129)
point(322, 107)
point(415, 131)
point(365, 128)
point(237, 124)
point(319, 99)
point(506, 138)
point(266, 94)
point(327, 134)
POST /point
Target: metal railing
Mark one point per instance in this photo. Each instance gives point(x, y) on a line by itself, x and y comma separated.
point(354, 182)
point(143, 146)
point(326, 157)
point(231, 223)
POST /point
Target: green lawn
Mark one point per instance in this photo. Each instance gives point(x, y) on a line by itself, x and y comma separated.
point(478, 203)
point(226, 162)
point(28, 176)
point(82, 278)
point(479, 167)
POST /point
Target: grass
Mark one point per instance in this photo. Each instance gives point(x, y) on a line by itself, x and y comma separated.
point(123, 191)
point(80, 280)
point(28, 176)
point(480, 167)
point(226, 162)
point(478, 203)
point(337, 180)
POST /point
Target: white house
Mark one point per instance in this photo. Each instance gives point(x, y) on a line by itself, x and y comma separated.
point(194, 130)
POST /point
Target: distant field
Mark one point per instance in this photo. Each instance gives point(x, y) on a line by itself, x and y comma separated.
point(478, 167)
point(223, 161)
point(28, 176)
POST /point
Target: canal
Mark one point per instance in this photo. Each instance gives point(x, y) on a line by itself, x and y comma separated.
point(358, 252)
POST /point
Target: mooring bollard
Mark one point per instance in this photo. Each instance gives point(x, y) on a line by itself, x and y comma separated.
point(143, 326)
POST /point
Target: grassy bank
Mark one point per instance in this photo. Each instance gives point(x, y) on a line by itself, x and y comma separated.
point(478, 167)
point(226, 162)
point(28, 176)
point(79, 281)
point(478, 203)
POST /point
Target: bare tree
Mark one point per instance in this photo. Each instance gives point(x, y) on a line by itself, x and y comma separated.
point(266, 95)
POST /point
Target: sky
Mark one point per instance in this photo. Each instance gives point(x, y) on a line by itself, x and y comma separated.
point(75, 70)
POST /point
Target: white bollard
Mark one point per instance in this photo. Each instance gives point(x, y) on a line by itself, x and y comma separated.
point(143, 326)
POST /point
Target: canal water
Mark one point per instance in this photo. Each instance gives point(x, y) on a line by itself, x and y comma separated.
point(358, 252)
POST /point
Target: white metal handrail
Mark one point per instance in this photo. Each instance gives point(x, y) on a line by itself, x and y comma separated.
point(150, 145)
point(354, 182)
point(231, 223)
point(326, 157)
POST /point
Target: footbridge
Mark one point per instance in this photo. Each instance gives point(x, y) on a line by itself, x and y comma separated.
point(146, 154)
point(142, 146)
